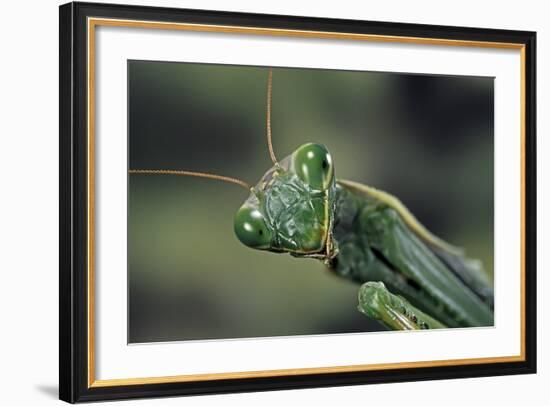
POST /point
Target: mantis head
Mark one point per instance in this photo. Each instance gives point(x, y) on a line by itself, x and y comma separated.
point(291, 208)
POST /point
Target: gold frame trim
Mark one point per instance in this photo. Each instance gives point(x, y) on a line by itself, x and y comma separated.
point(94, 22)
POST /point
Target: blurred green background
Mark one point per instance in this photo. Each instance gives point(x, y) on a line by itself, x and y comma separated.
point(426, 139)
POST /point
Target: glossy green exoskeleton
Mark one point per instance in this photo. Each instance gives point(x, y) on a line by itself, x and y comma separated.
point(410, 278)
point(362, 234)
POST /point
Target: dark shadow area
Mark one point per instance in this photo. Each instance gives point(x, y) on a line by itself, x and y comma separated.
point(52, 391)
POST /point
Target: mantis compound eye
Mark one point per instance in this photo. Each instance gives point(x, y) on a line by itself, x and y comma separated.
point(251, 228)
point(313, 165)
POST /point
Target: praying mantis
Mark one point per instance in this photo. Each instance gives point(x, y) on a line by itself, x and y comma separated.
point(409, 279)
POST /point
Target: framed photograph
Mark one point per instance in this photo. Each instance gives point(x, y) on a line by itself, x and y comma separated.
point(254, 202)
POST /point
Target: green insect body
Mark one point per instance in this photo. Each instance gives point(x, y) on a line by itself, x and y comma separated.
point(410, 278)
point(361, 234)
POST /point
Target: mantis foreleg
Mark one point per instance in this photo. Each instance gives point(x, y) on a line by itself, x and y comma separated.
point(391, 310)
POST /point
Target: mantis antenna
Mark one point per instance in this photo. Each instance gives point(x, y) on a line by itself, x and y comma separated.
point(220, 177)
point(268, 117)
point(195, 174)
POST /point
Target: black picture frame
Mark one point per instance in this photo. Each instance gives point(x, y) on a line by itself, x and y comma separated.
point(74, 383)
